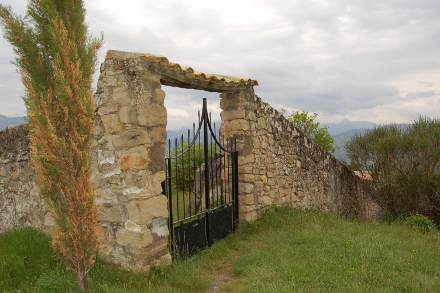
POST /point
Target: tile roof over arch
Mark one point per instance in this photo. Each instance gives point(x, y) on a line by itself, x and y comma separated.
point(178, 75)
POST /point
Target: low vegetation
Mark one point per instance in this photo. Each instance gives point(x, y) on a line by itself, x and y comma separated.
point(404, 164)
point(289, 250)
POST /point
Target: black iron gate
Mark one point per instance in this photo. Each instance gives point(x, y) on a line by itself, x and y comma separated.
point(202, 187)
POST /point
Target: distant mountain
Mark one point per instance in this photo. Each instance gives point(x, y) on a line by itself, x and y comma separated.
point(5, 121)
point(346, 125)
point(342, 138)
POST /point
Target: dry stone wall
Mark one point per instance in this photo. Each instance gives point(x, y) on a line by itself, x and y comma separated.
point(277, 163)
point(128, 165)
point(20, 204)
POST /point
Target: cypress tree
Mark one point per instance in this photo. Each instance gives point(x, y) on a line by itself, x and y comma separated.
point(56, 59)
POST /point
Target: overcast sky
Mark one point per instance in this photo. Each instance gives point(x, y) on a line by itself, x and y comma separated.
point(361, 60)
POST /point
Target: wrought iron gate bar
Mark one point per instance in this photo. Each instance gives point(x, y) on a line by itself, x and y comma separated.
point(202, 196)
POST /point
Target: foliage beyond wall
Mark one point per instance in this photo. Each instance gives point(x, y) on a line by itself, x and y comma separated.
point(404, 164)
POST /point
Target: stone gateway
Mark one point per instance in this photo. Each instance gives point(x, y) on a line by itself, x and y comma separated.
point(277, 163)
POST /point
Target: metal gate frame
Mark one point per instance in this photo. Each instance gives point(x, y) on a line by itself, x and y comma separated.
point(194, 228)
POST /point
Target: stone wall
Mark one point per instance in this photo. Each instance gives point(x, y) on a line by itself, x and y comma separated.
point(20, 204)
point(128, 162)
point(278, 164)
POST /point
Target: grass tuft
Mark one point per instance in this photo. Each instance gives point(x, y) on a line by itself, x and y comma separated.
point(289, 250)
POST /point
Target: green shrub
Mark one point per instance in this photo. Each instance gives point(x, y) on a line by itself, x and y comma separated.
point(404, 164)
point(186, 163)
point(420, 221)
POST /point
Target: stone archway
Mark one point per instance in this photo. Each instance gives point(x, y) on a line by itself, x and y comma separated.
point(129, 149)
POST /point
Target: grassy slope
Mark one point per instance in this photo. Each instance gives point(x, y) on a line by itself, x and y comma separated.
point(288, 251)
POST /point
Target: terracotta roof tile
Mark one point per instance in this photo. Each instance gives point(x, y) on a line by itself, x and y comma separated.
point(363, 175)
point(225, 80)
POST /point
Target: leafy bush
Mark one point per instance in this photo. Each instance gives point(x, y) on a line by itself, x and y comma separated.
point(312, 129)
point(421, 222)
point(186, 163)
point(404, 164)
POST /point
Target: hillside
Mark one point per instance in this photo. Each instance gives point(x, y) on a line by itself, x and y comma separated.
point(5, 121)
point(341, 139)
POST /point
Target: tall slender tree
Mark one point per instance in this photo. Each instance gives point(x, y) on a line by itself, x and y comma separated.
point(56, 59)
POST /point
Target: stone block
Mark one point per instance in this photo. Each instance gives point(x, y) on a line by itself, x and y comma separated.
point(270, 174)
point(225, 127)
point(159, 96)
point(106, 240)
point(246, 159)
point(246, 169)
point(109, 214)
point(164, 261)
point(261, 122)
point(266, 201)
point(112, 123)
point(136, 158)
point(106, 234)
point(108, 109)
point(159, 134)
point(4, 170)
point(233, 115)
point(131, 137)
point(111, 81)
point(15, 174)
point(248, 217)
point(138, 178)
point(128, 114)
point(245, 188)
point(48, 220)
point(106, 157)
point(247, 199)
point(228, 103)
point(158, 178)
point(150, 79)
point(121, 96)
point(159, 227)
point(248, 178)
point(136, 239)
point(240, 124)
point(137, 192)
point(158, 249)
point(142, 212)
point(152, 115)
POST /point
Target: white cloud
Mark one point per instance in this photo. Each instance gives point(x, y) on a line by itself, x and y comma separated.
point(359, 60)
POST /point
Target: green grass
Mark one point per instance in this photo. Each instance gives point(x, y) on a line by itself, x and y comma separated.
point(289, 250)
